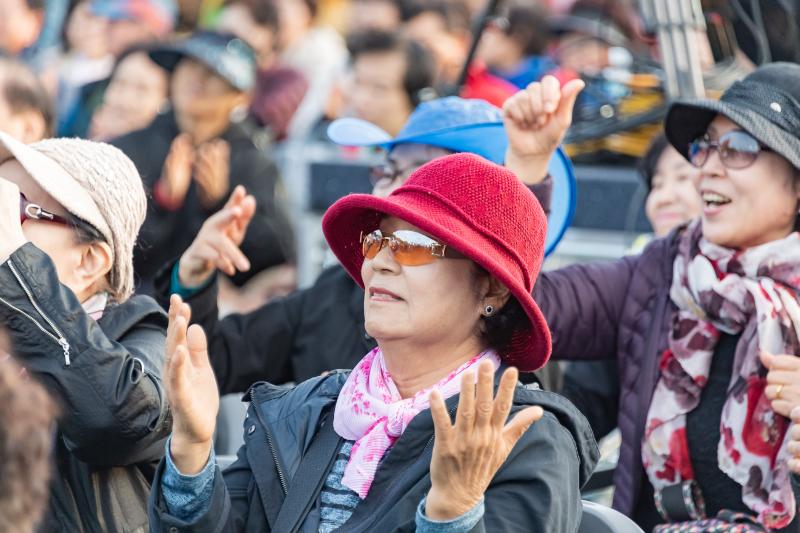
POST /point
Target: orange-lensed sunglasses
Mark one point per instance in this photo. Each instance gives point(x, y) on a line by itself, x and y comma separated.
point(409, 248)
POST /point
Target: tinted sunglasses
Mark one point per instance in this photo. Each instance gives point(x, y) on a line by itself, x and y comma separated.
point(31, 211)
point(736, 149)
point(409, 248)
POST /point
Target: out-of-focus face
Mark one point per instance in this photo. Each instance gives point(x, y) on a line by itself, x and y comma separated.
point(673, 197)
point(137, 91)
point(401, 162)
point(497, 49)
point(19, 25)
point(198, 93)
point(373, 15)
point(582, 54)
point(377, 94)
point(20, 124)
point(747, 207)
point(436, 303)
point(56, 240)
point(296, 19)
point(449, 49)
point(236, 19)
point(86, 33)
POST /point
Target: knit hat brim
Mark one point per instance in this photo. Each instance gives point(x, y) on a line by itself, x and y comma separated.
point(57, 182)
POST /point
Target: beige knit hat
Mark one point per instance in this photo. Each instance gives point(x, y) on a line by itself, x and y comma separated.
point(95, 182)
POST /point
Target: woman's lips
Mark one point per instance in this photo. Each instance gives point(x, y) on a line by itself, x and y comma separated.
point(383, 295)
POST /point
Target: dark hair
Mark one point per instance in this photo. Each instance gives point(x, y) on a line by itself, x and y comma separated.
point(527, 25)
point(497, 331)
point(85, 232)
point(22, 90)
point(263, 12)
point(420, 66)
point(26, 440)
point(649, 161)
point(35, 4)
point(455, 15)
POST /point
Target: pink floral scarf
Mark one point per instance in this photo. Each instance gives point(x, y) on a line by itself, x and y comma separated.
point(371, 412)
point(752, 293)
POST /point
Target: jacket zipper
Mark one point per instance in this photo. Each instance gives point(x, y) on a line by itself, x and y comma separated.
point(58, 337)
point(271, 447)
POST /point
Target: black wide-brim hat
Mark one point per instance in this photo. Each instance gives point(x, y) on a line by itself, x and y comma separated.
point(225, 54)
point(766, 104)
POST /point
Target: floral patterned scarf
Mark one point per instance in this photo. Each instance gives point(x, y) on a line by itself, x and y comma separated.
point(754, 294)
point(370, 411)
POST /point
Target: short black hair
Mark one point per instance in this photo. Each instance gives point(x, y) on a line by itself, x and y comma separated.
point(649, 161)
point(455, 15)
point(527, 25)
point(420, 65)
point(23, 91)
point(263, 12)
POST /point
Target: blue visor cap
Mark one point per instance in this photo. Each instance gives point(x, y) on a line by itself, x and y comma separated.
point(466, 125)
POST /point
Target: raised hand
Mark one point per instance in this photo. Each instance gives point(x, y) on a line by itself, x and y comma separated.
point(536, 120)
point(212, 172)
point(783, 382)
point(217, 244)
point(11, 236)
point(467, 454)
point(191, 390)
point(176, 176)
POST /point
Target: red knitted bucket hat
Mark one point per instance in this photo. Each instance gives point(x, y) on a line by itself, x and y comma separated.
point(478, 208)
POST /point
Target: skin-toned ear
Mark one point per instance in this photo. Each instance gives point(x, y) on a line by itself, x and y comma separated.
point(96, 262)
point(497, 295)
point(33, 125)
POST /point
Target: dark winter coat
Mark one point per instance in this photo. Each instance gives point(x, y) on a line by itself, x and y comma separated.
point(106, 379)
point(537, 489)
point(166, 234)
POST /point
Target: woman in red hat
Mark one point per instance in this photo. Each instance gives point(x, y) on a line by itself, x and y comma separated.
point(414, 436)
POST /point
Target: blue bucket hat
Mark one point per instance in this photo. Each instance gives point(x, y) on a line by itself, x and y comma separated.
point(224, 53)
point(466, 125)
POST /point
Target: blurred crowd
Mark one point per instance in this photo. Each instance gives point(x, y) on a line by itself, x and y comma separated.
point(204, 97)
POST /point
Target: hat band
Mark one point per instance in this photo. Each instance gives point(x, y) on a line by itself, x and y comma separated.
point(775, 105)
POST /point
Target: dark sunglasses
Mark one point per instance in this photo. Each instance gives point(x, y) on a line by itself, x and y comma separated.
point(31, 211)
point(409, 248)
point(736, 149)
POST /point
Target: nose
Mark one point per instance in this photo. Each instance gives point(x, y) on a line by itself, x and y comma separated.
point(713, 166)
point(384, 261)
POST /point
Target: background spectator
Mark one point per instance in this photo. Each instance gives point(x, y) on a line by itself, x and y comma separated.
point(389, 74)
point(318, 52)
point(514, 44)
point(365, 15)
point(136, 93)
point(279, 89)
point(25, 108)
point(21, 22)
point(193, 157)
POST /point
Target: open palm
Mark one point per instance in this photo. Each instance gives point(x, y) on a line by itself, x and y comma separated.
point(191, 386)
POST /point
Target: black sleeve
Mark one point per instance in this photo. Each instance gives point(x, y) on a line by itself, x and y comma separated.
point(544, 193)
point(538, 487)
point(270, 239)
point(593, 386)
point(245, 348)
point(113, 406)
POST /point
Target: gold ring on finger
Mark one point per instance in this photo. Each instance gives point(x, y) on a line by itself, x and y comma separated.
point(778, 392)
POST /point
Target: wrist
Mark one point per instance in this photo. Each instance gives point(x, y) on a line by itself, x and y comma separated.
point(165, 198)
point(529, 168)
point(192, 278)
point(189, 457)
point(447, 505)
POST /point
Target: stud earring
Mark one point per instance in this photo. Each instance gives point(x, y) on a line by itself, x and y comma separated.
point(488, 310)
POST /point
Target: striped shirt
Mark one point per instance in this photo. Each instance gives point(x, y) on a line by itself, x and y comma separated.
point(337, 502)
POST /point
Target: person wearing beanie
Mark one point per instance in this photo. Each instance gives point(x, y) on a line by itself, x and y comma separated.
point(447, 263)
point(71, 213)
point(703, 324)
point(322, 327)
